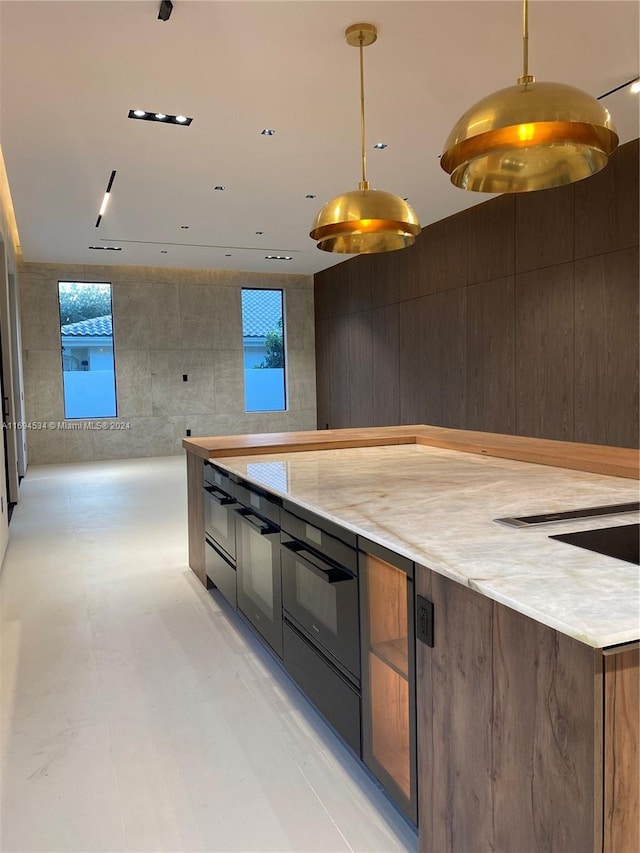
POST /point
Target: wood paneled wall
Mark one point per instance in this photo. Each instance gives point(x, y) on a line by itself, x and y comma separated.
point(519, 315)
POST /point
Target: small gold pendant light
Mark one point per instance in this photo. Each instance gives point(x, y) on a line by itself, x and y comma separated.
point(532, 136)
point(364, 220)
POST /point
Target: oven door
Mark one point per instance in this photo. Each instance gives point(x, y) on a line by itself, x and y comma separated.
point(259, 586)
point(322, 598)
point(219, 519)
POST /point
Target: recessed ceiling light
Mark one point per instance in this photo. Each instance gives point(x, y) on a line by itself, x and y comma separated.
point(267, 131)
point(106, 248)
point(259, 232)
point(218, 188)
point(309, 195)
point(184, 227)
point(635, 87)
point(105, 200)
point(277, 257)
point(381, 145)
point(165, 118)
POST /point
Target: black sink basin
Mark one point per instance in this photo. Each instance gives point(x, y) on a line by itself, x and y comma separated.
point(622, 542)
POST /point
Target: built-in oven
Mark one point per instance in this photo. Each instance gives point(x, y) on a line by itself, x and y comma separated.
point(259, 588)
point(220, 531)
point(321, 625)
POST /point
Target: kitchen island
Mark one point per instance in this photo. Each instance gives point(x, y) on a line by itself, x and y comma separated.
point(526, 721)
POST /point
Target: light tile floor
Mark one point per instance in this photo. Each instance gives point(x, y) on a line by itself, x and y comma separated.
point(137, 714)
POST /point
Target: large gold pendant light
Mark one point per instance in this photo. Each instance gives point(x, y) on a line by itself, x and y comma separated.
point(364, 220)
point(532, 136)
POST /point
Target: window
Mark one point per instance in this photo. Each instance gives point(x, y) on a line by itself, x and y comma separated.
point(263, 340)
point(86, 334)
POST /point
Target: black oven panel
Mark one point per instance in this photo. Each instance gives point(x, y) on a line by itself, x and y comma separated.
point(322, 536)
point(219, 520)
point(259, 588)
point(320, 596)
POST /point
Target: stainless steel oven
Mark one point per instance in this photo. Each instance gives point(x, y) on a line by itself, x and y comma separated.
point(258, 561)
point(220, 531)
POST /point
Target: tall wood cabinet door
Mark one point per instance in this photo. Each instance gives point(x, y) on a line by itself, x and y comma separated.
point(454, 712)
point(323, 375)
point(360, 370)
point(490, 384)
point(385, 336)
point(509, 723)
point(606, 217)
point(606, 347)
point(621, 753)
point(547, 738)
point(338, 331)
point(545, 353)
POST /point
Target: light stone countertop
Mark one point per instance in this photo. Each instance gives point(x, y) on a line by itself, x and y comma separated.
point(437, 508)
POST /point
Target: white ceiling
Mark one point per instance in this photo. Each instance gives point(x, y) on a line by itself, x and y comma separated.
point(70, 71)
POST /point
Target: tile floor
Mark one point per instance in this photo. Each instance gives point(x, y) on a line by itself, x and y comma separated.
point(136, 715)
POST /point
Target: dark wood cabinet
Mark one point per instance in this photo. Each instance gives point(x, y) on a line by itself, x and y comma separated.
point(490, 357)
point(360, 370)
point(622, 752)
point(433, 359)
point(453, 712)
point(323, 374)
point(545, 353)
point(359, 284)
point(559, 360)
point(443, 340)
point(544, 228)
point(527, 738)
point(385, 333)
point(412, 367)
point(490, 230)
point(606, 211)
point(339, 371)
point(606, 373)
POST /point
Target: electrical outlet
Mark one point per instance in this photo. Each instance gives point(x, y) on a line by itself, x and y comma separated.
point(424, 620)
point(185, 377)
point(188, 433)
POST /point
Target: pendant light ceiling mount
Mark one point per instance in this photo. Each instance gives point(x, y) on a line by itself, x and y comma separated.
point(364, 221)
point(531, 136)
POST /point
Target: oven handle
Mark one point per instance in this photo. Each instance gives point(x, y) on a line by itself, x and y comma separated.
point(332, 574)
point(219, 496)
point(263, 529)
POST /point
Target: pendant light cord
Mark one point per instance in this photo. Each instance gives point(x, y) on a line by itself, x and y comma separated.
point(526, 77)
point(364, 185)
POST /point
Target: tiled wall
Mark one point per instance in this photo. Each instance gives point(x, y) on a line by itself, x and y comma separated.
point(167, 322)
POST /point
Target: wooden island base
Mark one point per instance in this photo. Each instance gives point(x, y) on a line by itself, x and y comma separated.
point(527, 738)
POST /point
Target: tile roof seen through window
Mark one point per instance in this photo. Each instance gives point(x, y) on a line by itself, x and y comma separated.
point(261, 311)
point(96, 327)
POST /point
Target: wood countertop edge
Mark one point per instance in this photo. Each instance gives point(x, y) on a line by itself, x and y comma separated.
point(592, 458)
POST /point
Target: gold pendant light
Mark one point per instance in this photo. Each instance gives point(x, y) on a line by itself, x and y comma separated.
point(364, 220)
point(532, 136)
